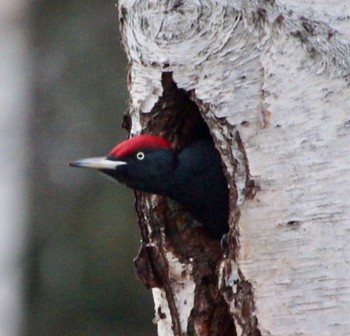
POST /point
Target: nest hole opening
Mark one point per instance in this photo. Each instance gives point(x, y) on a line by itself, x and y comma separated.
point(177, 118)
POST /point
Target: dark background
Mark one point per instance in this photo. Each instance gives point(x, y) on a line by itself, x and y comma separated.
point(83, 233)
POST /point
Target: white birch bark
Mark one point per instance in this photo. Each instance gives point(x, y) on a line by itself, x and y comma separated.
point(14, 107)
point(277, 74)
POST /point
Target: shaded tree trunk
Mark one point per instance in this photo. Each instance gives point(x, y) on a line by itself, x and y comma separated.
point(271, 83)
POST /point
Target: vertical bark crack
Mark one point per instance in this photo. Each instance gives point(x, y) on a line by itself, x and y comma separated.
point(164, 228)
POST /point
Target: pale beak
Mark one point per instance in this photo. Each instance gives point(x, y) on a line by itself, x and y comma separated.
point(97, 163)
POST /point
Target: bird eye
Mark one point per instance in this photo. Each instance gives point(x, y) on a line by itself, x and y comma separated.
point(140, 155)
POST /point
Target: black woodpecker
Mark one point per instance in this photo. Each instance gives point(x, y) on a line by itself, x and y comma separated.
point(192, 176)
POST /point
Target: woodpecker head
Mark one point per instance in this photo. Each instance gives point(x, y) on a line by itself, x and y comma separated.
point(144, 162)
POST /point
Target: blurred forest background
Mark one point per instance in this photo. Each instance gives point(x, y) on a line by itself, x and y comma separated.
point(80, 232)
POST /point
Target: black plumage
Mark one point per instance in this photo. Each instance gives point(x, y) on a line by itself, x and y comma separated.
point(192, 176)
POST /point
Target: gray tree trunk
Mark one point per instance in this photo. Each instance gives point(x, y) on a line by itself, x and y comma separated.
point(14, 104)
point(271, 80)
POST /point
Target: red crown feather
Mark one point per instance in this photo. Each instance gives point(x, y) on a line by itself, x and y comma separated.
point(139, 142)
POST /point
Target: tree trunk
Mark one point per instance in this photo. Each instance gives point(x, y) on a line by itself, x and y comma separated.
point(271, 80)
point(14, 102)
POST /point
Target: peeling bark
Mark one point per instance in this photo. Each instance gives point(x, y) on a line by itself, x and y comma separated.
point(269, 81)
